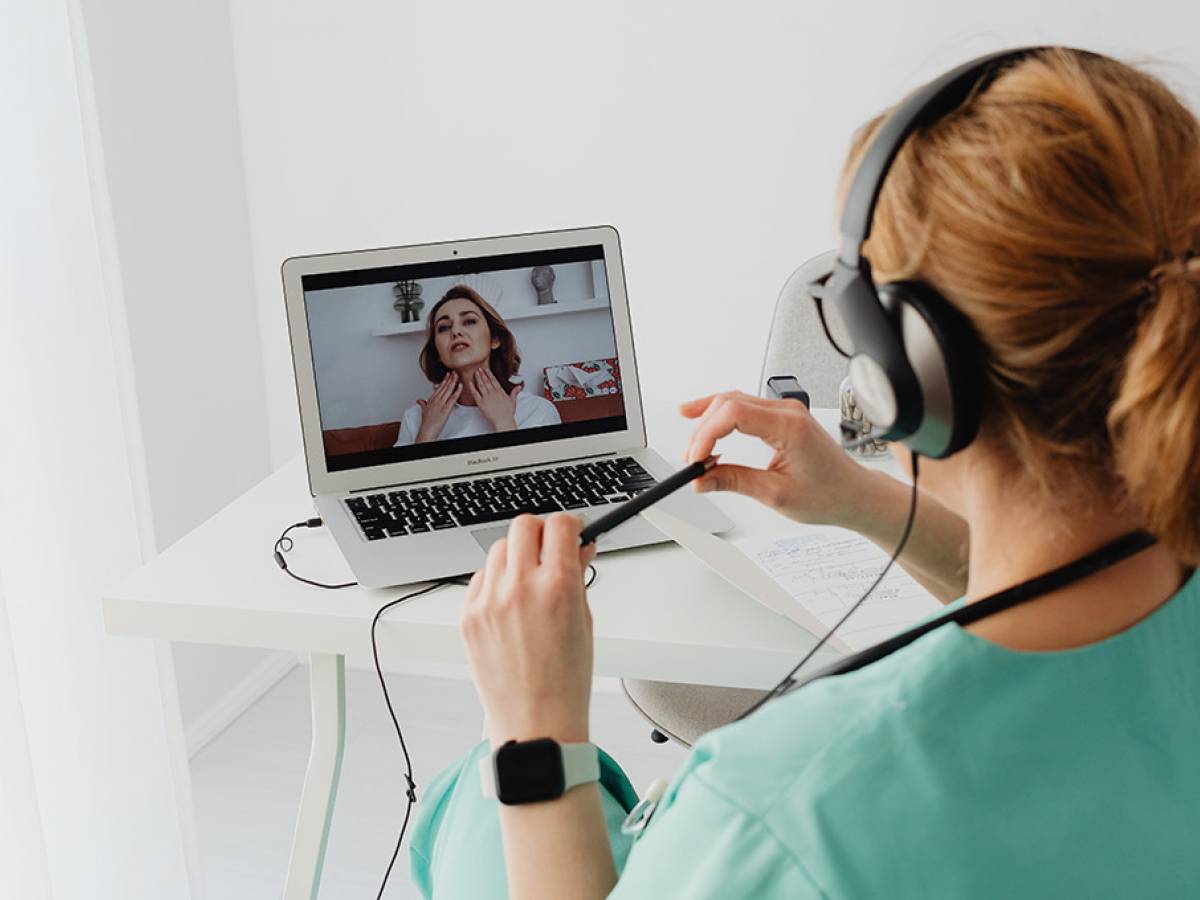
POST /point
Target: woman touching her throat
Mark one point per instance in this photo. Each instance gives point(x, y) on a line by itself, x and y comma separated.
point(470, 356)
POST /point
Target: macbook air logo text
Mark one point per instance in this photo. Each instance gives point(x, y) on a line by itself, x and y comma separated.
point(482, 460)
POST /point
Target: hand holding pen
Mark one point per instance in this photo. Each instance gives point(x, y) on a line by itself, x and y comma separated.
point(809, 479)
point(638, 502)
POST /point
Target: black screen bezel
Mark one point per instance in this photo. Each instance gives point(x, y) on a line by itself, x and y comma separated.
point(344, 462)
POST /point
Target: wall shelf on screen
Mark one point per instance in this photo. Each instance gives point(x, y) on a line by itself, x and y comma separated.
point(522, 312)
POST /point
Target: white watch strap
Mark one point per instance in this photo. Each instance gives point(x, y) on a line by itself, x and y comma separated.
point(580, 762)
point(487, 777)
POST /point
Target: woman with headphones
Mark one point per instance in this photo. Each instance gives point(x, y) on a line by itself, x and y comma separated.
point(1020, 279)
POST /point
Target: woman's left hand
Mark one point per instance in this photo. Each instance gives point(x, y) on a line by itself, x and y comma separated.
point(497, 405)
point(528, 632)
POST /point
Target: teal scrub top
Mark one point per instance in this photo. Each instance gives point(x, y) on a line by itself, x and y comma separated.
point(953, 768)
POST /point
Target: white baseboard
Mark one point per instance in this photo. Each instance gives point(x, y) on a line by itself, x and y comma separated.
point(237, 700)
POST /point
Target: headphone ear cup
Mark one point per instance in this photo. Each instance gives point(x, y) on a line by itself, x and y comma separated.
point(945, 353)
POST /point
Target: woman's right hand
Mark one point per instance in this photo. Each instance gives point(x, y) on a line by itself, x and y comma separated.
point(809, 479)
point(436, 410)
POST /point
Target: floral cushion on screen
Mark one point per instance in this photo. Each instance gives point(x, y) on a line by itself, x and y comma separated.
point(577, 380)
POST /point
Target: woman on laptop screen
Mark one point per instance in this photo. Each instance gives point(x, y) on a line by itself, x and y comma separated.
point(471, 358)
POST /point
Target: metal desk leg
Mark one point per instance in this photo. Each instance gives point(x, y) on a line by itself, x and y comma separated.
point(327, 688)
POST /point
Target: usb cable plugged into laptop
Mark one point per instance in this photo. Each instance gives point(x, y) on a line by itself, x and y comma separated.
point(284, 545)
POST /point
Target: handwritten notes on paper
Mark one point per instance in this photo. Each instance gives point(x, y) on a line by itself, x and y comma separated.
point(827, 569)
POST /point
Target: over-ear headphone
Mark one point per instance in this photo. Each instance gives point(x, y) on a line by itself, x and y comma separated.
point(915, 364)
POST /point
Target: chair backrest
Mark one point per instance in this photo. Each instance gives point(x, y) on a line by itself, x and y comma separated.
point(796, 345)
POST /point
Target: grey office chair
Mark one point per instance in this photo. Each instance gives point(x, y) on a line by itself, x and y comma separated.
point(796, 346)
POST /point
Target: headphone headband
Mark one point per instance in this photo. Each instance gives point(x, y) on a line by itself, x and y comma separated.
point(923, 107)
point(916, 367)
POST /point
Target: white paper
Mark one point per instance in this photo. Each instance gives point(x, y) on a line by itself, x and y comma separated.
point(732, 564)
point(825, 570)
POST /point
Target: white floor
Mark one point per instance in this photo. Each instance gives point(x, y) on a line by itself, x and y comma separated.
point(247, 781)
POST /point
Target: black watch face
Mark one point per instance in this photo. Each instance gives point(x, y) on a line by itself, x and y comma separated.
point(529, 771)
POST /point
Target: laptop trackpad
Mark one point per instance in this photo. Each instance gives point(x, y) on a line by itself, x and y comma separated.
point(485, 537)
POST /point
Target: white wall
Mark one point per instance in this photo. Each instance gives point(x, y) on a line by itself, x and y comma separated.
point(710, 134)
point(92, 706)
point(366, 379)
point(23, 868)
point(166, 111)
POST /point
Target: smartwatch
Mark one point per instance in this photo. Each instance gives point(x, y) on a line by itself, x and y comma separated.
point(532, 771)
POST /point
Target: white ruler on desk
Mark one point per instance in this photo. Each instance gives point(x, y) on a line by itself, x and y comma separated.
point(740, 571)
point(812, 575)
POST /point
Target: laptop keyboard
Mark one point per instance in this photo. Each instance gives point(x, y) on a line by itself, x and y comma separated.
point(498, 498)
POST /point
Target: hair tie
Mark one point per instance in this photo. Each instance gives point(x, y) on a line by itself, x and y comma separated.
point(1175, 267)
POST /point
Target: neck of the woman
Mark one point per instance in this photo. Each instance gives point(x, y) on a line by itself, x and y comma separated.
point(466, 377)
point(1014, 539)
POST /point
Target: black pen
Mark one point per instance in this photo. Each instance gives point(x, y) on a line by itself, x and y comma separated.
point(648, 497)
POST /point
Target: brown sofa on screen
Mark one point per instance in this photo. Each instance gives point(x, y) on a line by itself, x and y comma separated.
point(339, 441)
point(590, 407)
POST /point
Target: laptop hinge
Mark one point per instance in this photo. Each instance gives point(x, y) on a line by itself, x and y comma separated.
point(399, 484)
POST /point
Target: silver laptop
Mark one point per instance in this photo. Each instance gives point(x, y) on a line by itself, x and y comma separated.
point(446, 388)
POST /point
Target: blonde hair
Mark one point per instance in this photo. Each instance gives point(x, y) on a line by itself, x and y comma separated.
point(1060, 211)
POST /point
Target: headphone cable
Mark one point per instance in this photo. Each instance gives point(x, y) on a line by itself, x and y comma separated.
point(788, 682)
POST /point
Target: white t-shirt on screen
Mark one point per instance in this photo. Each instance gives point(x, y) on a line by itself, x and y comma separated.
point(467, 421)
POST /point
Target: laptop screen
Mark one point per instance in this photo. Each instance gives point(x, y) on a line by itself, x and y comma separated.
point(432, 359)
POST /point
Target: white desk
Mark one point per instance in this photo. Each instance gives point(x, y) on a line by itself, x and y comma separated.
point(658, 614)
